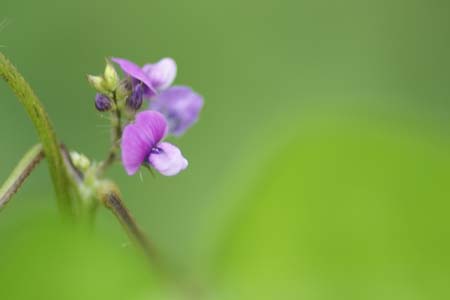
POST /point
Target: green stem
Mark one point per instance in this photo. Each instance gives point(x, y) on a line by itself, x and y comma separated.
point(116, 134)
point(23, 169)
point(109, 195)
point(41, 122)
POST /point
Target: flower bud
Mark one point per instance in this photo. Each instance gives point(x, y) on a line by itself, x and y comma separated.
point(98, 83)
point(124, 89)
point(102, 102)
point(134, 101)
point(80, 161)
point(111, 79)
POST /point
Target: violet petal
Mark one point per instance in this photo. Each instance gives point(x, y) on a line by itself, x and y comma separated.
point(161, 74)
point(136, 72)
point(154, 122)
point(181, 106)
point(168, 160)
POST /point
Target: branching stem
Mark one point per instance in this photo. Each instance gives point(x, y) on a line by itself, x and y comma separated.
point(44, 128)
point(23, 169)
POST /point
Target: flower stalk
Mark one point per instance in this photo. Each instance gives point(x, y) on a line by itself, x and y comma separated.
point(109, 195)
point(116, 134)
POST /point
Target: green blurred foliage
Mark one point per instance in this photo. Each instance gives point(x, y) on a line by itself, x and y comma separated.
point(348, 208)
point(281, 197)
point(42, 258)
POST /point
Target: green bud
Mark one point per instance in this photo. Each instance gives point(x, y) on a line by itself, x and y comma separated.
point(98, 83)
point(123, 89)
point(110, 76)
point(80, 161)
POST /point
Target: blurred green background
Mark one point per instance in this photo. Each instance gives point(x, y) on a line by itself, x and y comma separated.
point(318, 170)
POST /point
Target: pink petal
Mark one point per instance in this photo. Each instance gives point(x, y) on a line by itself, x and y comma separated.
point(181, 106)
point(154, 122)
point(134, 71)
point(168, 160)
point(161, 74)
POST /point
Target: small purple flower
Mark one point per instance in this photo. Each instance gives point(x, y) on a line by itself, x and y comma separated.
point(179, 104)
point(142, 143)
point(137, 75)
point(102, 102)
point(181, 107)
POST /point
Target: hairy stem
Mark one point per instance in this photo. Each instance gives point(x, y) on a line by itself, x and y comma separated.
point(44, 128)
point(110, 197)
point(23, 169)
point(116, 134)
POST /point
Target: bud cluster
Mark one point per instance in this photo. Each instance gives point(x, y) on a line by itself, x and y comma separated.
point(105, 86)
point(115, 94)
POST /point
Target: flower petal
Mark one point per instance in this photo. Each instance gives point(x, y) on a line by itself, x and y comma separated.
point(181, 106)
point(153, 122)
point(167, 159)
point(139, 138)
point(135, 148)
point(161, 74)
point(136, 72)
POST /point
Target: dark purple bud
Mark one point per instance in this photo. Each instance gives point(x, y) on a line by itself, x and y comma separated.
point(134, 101)
point(102, 102)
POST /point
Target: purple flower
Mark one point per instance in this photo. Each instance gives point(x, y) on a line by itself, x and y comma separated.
point(180, 105)
point(142, 143)
point(137, 75)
